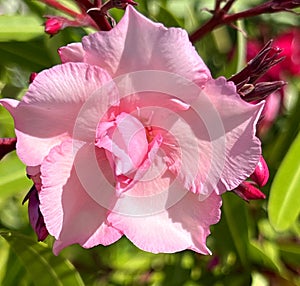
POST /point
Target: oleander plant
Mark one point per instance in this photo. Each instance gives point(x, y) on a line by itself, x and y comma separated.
point(150, 142)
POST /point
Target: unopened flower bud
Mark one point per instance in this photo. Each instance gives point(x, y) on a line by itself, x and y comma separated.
point(53, 25)
point(32, 77)
point(261, 173)
point(260, 90)
point(267, 57)
point(7, 145)
point(36, 219)
point(247, 191)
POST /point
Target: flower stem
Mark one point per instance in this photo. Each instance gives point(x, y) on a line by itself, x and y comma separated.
point(100, 19)
point(221, 16)
point(61, 7)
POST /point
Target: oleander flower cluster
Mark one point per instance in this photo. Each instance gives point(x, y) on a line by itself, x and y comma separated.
point(131, 136)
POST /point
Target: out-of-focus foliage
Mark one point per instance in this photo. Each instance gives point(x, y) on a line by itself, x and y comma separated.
point(284, 206)
point(36, 258)
point(249, 247)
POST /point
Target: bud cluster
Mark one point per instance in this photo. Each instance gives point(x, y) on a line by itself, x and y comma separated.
point(93, 15)
point(246, 79)
point(248, 190)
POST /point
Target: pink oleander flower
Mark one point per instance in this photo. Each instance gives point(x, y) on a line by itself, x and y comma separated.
point(131, 136)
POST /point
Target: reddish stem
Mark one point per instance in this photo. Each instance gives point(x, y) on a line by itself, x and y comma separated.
point(221, 17)
point(100, 19)
point(84, 4)
point(98, 3)
point(61, 7)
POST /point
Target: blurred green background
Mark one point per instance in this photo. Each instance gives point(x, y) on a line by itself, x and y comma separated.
point(254, 244)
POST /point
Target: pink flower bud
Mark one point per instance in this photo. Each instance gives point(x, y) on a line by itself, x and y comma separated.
point(261, 172)
point(247, 191)
point(35, 217)
point(53, 25)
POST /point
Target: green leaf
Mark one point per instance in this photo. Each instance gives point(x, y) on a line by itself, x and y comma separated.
point(42, 267)
point(235, 215)
point(284, 202)
point(4, 253)
point(241, 47)
point(20, 28)
point(265, 254)
point(32, 55)
point(259, 279)
point(15, 273)
point(290, 252)
point(13, 176)
point(167, 18)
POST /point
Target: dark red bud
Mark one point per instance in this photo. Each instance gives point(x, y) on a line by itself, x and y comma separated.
point(247, 191)
point(36, 219)
point(261, 173)
point(32, 77)
point(260, 90)
point(266, 58)
point(7, 145)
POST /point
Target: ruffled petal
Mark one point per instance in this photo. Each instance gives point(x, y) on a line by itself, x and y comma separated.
point(47, 113)
point(208, 135)
point(67, 207)
point(136, 44)
point(71, 53)
point(184, 225)
point(126, 141)
point(242, 149)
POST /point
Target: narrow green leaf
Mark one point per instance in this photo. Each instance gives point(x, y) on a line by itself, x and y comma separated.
point(12, 176)
point(235, 214)
point(15, 273)
point(4, 252)
point(19, 28)
point(241, 47)
point(265, 254)
point(41, 265)
point(32, 53)
point(284, 202)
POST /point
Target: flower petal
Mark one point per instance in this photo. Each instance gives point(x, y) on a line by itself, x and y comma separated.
point(136, 43)
point(126, 141)
point(243, 148)
point(67, 207)
point(47, 113)
point(71, 53)
point(184, 225)
point(211, 145)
